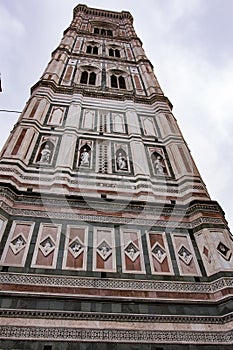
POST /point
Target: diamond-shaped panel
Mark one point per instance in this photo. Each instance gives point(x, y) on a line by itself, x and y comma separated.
point(224, 251)
point(185, 255)
point(18, 243)
point(158, 252)
point(76, 247)
point(104, 250)
point(47, 245)
point(132, 251)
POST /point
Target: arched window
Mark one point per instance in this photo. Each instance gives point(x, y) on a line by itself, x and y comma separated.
point(92, 49)
point(114, 83)
point(121, 82)
point(111, 52)
point(84, 77)
point(95, 50)
point(117, 53)
point(89, 49)
point(88, 78)
point(92, 78)
point(109, 32)
point(114, 53)
point(96, 30)
point(103, 31)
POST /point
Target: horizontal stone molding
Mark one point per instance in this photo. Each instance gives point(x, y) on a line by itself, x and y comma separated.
point(115, 317)
point(119, 335)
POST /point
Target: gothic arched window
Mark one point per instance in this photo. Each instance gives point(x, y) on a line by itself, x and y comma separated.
point(96, 31)
point(114, 82)
point(121, 82)
point(84, 77)
point(109, 32)
point(88, 78)
point(118, 82)
point(111, 52)
point(117, 53)
point(92, 49)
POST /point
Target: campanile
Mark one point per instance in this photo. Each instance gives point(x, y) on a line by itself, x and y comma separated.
point(108, 236)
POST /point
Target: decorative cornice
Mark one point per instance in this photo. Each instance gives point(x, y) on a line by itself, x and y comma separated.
point(120, 284)
point(115, 335)
point(114, 317)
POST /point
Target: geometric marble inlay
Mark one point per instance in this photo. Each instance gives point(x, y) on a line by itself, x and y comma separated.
point(185, 254)
point(18, 243)
point(224, 251)
point(158, 252)
point(132, 251)
point(47, 245)
point(104, 250)
point(75, 247)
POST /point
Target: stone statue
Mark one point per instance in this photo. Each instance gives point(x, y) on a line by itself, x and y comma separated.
point(121, 162)
point(85, 158)
point(159, 167)
point(45, 154)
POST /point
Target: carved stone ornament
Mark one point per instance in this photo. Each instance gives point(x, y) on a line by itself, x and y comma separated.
point(132, 251)
point(76, 247)
point(158, 252)
point(207, 254)
point(47, 245)
point(104, 250)
point(224, 251)
point(18, 243)
point(185, 255)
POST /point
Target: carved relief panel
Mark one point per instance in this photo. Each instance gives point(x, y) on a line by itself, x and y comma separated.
point(47, 244)
point(185, 255)
point(160, 260)
point(104, 250)
point(216, 249)
point(75, 251)
point(131, 251)
point(18, 242)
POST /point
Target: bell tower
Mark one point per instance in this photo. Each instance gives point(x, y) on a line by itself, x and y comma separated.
point(108, 236)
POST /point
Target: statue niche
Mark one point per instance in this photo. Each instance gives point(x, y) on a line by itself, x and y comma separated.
point(84, 156)
point(159, 164)
point(45, 153)
point(121, 160)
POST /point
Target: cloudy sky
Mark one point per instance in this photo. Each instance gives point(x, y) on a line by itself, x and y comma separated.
point(189, 42)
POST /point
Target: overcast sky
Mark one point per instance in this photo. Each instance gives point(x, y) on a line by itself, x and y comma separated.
point(189, 42)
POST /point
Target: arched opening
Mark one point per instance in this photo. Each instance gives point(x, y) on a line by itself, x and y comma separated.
point(109, 32)
point(122, 82)
point(103, 31)
point(92, 78)
point(95, 50)
point(96, 31)
point(111, 52)
point(117, 53)
point(114, 83)
point(84, 77)
point(89, 49)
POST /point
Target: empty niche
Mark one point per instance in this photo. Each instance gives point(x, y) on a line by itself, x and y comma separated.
point(88, 121)
point(148, 126)
point(56, 116)
point(158, 161)
point(46, 152)
point(118, 123)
